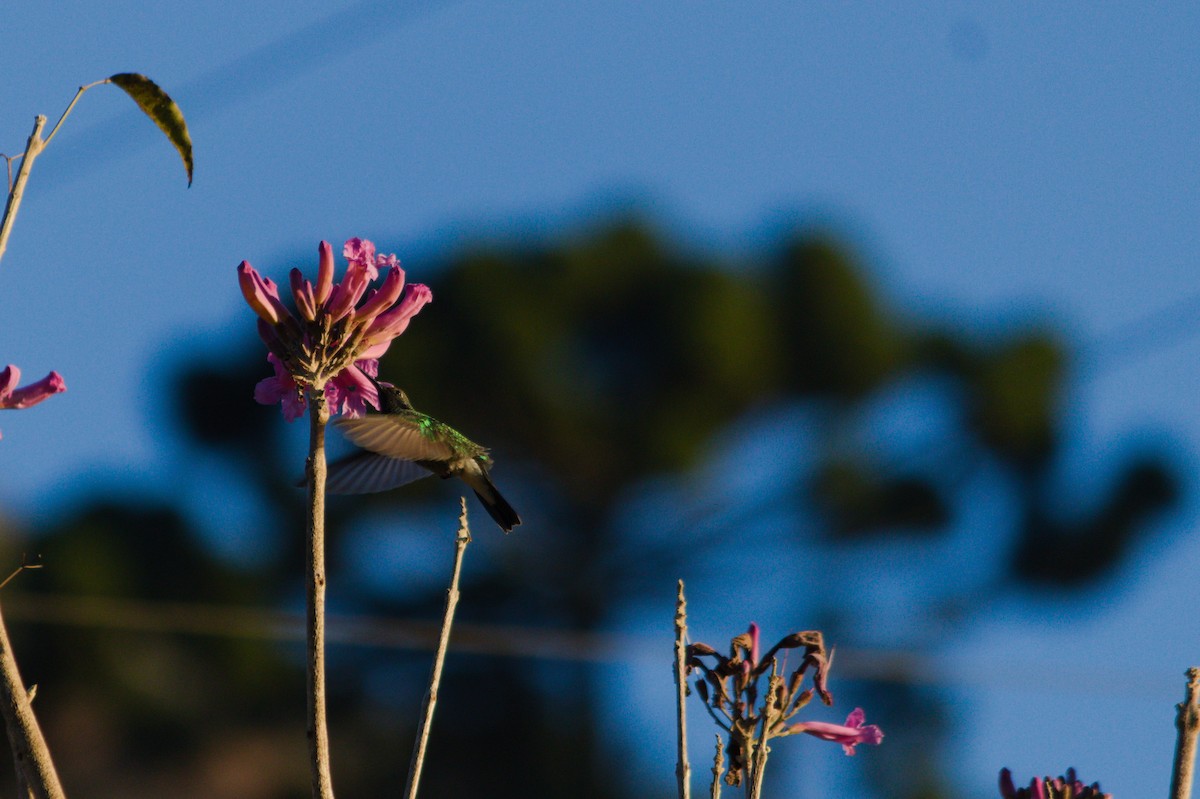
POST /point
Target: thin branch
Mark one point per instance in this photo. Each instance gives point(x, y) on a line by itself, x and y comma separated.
point(717, 769)
point(683, 770)
point(1187, 721)
point(435, 678)
point(32, 148)
point(758, 759)
point(711, 712)
point(25, 564)
point(70, 106)
point(35, 768)
point(317, 730)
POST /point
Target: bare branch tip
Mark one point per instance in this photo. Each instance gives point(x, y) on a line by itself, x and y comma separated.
point(464, 529)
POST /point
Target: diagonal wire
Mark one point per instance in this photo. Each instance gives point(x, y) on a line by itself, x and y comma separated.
point(284, 60)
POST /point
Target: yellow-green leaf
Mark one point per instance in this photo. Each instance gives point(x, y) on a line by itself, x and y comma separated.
point(159, 106)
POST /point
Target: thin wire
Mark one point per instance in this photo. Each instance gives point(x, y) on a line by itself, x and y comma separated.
point(253, 74)
point(897, 667)
point(1163, 327)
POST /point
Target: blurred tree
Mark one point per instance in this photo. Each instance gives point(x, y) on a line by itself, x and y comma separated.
point(592, 366)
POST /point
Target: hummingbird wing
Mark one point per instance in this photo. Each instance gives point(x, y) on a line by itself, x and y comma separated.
point(397, 436)
point(368, 473)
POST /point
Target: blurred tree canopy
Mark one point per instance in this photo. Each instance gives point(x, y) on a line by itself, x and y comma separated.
point(591, 364)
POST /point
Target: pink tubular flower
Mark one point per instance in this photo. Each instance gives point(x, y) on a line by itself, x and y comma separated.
point(13, 398)
point(849, 735)
point(334, 339)
point(281, 388)
point(352, 392)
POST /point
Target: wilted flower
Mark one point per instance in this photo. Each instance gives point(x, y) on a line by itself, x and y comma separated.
point(1068, 787)
point(333, 342)
point(730, 687)
point(13, 398)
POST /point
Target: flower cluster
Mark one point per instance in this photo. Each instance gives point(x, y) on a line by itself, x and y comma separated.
point(13, 398)
point(332, 342)
point(729, 686)
point(1068, 787)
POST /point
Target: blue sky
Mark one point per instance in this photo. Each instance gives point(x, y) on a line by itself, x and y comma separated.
point(994, 161)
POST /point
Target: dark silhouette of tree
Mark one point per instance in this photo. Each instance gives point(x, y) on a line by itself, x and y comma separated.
point(592, 365)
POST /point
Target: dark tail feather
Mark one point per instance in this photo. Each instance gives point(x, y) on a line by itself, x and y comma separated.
point(498, 507)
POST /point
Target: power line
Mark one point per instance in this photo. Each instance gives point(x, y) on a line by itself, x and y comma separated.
point(249, 75)
point(1158, 329)
point(890, 666)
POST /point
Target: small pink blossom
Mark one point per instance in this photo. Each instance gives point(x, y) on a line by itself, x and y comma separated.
point(13, 398)
point(849, 735)
point(281, 388)
point(352, 391)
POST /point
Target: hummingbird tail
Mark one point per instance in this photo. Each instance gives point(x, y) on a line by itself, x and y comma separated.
point(500, 510)
point(496, 505)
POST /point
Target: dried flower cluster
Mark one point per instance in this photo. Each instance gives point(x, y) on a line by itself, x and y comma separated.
point(1068, 787)
point(332, 342)
point(729, 687)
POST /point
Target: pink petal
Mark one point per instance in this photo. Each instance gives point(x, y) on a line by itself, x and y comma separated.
point(32, 394)
point(347, 293)
point(394, 321)
point(387, 295)
point(283, 389)
point(8, 381)
point(302, 292)
point(1007, 789)
point(258, 292)
point(324, 272)
point(361, 253)
point(352, 392)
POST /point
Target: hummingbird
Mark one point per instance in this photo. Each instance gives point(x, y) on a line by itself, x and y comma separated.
point(400, 444)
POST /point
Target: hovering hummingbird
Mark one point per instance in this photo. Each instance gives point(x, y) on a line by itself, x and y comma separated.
point(400, 444)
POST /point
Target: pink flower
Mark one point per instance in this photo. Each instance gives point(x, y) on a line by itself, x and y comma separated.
point(352, 392)
point(13, 398)
point(849, 735)
point(281, 388)
point(1047, 788)
point(339, 331)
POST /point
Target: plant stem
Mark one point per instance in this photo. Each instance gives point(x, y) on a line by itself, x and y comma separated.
point(35, 773)
point(1187, 720)
point(30, 753)
point(317, 731)
point(758, 763)
point(717, 769)
point(70, 106)
point(435, 678)
point(32, 148)
point(683, 769)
